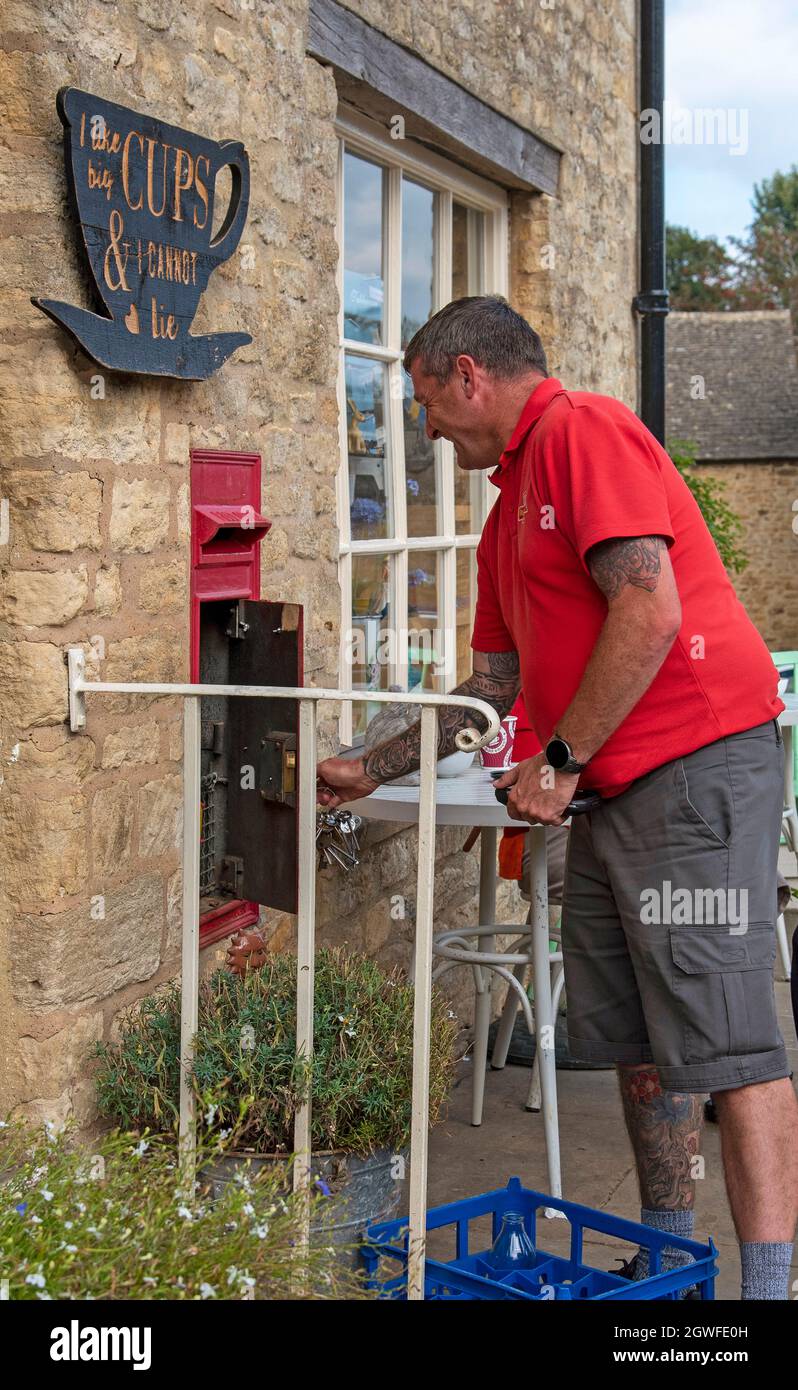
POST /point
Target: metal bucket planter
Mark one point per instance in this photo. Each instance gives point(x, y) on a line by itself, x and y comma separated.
point(361, 1191)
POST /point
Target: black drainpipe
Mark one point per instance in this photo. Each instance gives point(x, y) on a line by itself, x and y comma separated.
point(652, 301)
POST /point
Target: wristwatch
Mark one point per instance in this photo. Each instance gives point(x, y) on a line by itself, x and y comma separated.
point(560, 755)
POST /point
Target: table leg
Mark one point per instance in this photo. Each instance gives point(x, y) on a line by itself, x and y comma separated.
point(487, 914)
point(544, 1013)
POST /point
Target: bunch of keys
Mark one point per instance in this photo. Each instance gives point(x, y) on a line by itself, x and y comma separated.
point(336, 838)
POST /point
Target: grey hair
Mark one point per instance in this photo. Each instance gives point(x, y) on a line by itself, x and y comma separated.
point(482, 326)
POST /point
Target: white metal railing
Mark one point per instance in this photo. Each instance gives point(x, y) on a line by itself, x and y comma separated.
point(469, 740)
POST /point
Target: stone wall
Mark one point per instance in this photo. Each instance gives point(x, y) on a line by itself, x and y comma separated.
point(96, 465)
point(764, 496)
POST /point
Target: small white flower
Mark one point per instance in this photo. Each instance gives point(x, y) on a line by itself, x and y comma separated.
point(37, 1220)
point(185, 1213)
point(248, 1209)
point(225, 1133)
point(37, 1280)
point(350, 1032)
point(47, 1195)
point(261, 1231)
point(210, 1114)
point(3, 1124)
point(68, 1225)
point(148, 1279)
point(71, 1249)
point(206, 1290)
point(81, 1206)
point(141, 1148)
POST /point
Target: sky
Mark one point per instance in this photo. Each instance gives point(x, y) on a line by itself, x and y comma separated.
point(740, 58)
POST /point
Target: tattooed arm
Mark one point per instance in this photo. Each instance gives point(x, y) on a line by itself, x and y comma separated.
point(643, 618)
point(495, 678)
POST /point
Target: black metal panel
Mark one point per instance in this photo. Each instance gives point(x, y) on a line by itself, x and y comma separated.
point(263, 833)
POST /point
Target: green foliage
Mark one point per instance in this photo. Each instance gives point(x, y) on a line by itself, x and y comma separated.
point(723, 524)
point(769, 253)
point(118, 1223)
point(246, 1074)
point(700, 273)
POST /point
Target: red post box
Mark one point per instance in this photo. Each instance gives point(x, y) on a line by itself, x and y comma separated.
point(248, 850)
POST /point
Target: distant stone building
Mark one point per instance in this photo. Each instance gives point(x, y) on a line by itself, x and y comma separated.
point(401, 154)
point(733, 392)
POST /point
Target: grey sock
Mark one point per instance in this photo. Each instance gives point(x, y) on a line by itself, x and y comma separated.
point(766, 1269)
point(674, 1223)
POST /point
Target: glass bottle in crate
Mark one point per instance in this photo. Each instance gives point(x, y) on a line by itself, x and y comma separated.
point(513, 1247)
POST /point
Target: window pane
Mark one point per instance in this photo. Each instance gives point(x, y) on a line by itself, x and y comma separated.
point(424, 634)
point(468, 277)
point(418, 254)
point(421, 468)
point(467, 501)
point(468, 251)
point(465, 603)
point(370, 507)
point(371, 621)
point(363, 271)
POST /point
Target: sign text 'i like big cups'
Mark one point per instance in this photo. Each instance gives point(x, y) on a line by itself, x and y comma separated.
point(143, 193)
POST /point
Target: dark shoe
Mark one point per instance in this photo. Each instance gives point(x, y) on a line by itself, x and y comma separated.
point(627, 1271)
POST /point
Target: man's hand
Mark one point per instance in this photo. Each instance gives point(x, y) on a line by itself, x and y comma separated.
point(342, 779)
point(538, 794)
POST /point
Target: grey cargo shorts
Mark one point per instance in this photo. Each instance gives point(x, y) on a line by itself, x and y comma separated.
point(668, 926)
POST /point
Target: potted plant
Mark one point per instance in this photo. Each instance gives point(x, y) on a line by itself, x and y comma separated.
point(249, 1082)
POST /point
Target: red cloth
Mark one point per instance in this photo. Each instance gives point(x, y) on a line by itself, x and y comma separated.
point(579, 469)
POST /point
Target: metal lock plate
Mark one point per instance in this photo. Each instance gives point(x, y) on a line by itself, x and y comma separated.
point(277, 771)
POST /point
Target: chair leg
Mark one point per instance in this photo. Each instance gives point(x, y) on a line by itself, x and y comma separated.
point(784, 946)
point(504, 1032)
point(480, 1053)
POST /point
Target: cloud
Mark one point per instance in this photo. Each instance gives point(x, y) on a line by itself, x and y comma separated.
point(734, 56)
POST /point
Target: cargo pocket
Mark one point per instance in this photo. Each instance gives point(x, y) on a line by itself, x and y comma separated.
point(723, 987)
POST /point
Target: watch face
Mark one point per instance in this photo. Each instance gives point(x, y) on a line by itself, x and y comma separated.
point(558, 753)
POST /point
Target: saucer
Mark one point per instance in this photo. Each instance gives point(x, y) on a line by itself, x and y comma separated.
point(110, 344)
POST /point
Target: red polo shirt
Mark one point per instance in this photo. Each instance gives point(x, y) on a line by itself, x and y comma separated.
point(579, 469)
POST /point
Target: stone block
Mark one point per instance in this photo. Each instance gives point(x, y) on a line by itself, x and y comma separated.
point(160, 816)
point(76, 957)
point(43, 847)
point(54, 511)
point(107, 591)
point(136, 745)
point(176, 444)
point(44, 598)
point(164, 587)
point(112, 830)
point(33, 683)
point(139, 514)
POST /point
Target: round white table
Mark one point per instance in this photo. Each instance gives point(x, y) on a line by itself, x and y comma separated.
point(469, 800)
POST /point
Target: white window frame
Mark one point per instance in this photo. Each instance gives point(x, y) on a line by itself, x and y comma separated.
point(365, 137)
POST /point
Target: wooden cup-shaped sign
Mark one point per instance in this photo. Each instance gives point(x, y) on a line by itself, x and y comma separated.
point(143, 192)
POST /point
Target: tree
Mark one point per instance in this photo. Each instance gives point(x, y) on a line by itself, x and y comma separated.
point(700, 273)
point(769, 253)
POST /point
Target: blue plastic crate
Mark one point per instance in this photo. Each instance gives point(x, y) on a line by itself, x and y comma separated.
point(552, 1277)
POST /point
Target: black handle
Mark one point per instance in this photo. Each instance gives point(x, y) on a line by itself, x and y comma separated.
point(581, 802)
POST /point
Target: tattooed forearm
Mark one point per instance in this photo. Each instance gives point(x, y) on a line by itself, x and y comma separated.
point(665, 1130)
point(635, 560)
point(494, 679)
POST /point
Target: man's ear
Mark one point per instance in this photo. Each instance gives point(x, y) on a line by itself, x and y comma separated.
point(465, 367)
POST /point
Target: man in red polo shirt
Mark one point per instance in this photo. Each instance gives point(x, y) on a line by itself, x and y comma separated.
point(602, 594)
